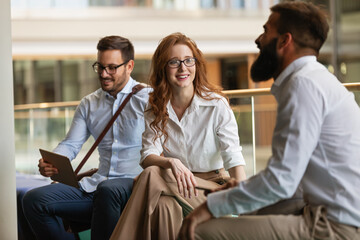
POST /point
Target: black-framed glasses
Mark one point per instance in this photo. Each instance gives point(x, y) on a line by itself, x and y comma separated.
point(175, 63)
point(111, 69)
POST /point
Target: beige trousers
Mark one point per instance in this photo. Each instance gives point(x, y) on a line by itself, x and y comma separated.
point(311, 224)
point(155, 209)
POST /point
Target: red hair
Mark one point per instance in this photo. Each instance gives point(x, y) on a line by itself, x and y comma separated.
point(162, 92)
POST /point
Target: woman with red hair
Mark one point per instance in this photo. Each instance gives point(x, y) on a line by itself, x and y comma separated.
point(190, 141)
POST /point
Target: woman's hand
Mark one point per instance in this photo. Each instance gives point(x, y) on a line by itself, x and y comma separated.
point(46, 169)
point(184, 177)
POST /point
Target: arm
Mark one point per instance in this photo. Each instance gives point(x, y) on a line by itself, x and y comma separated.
point(298, 126)
point(156, 160)
point(151, 154)
point(77, 134)
point(285, 169)
point(71, 145)
point(199, 215)
point(227, 133)
point(238, 172)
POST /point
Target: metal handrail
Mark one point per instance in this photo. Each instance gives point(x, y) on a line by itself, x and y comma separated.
point(46, 105)
point(266, 91)
point(230, 93)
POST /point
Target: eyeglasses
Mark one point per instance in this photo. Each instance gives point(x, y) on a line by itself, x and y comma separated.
point(111, 69)
point(189, 62)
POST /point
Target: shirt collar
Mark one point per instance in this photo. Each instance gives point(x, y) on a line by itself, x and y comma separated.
point(196, 103)
point(126, 89)
point(291, 68)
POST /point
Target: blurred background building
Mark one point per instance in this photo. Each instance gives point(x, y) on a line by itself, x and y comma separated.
point(54, 46)
point(54, 41)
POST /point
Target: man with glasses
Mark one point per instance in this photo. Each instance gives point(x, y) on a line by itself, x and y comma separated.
point(101, 198)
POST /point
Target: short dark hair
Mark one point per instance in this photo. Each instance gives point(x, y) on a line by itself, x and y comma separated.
point(117, 43)
point(306, 22)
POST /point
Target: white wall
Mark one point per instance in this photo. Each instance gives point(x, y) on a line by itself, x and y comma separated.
point(8, 226)
point(51, 32)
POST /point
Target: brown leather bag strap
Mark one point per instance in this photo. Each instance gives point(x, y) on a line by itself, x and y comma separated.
point(135, 89)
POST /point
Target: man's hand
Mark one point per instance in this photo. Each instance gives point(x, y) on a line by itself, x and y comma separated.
point(199, 215)
point(229, 184)
point(46, 169)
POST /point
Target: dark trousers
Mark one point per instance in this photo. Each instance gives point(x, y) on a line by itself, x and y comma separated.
point(46, 206)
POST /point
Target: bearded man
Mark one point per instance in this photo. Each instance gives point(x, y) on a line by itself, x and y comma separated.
point(316, 143)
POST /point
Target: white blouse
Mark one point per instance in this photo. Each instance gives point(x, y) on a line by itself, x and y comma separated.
point(205, 139)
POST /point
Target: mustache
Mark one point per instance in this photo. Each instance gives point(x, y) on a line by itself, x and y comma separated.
point(104, 79)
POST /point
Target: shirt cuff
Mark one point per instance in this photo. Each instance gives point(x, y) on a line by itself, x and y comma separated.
point(62, 150)
point(232, 159)
point(146, 153)
point(217, 203)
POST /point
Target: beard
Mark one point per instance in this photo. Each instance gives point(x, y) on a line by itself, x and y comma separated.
point(266, 64)
point(113, 84)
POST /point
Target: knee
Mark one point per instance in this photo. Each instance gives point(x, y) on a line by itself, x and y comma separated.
point(168, 204)
point(31, 200)
point(104, 191)
point(150, 170)
point(116, 189)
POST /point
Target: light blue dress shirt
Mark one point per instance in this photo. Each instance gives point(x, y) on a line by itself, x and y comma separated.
point(316, 142)
point(119, 150)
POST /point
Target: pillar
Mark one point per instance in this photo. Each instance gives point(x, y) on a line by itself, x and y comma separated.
point(8, 226)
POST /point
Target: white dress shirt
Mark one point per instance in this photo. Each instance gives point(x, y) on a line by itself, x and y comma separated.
point(205, 139)
point(316, 142)
point(119, 150)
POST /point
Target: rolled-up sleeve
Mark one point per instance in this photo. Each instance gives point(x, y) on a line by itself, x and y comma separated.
point(227, 133)
point(149, 146)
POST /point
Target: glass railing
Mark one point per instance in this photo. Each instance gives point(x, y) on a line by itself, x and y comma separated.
point(255, 111)
point(45, 125)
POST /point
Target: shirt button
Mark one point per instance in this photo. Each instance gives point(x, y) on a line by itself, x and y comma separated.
point(116, 140)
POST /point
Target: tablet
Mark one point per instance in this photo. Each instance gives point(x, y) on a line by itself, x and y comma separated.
point(66, 173)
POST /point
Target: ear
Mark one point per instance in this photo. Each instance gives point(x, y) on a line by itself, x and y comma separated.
point(130, 66)
point(285, 40)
